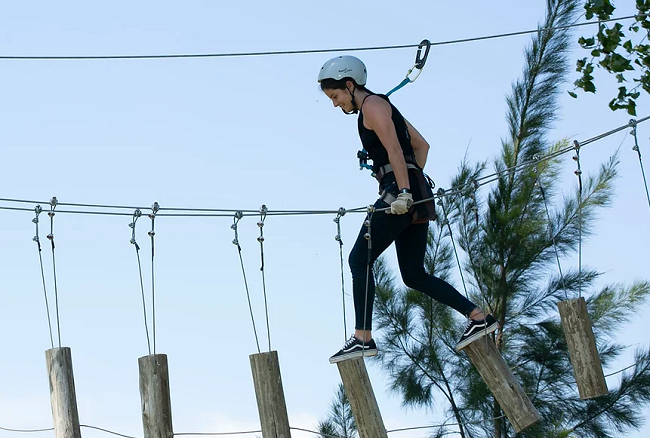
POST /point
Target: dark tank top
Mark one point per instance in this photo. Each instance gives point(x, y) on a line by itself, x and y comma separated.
point(371, 143)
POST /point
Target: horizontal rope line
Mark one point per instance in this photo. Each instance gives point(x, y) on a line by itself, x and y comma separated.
point(204, 212)
point(302, 52)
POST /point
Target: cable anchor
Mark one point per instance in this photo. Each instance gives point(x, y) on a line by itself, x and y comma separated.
point(136, 214)
point(53, 203)
point(235, 222)
point(38, 210)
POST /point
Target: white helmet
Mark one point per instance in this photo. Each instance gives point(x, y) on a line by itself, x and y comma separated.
point(344, 67)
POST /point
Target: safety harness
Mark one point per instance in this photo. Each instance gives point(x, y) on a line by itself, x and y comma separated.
point(420, 60)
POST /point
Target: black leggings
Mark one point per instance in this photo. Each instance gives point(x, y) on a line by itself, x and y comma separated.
point(411, 244)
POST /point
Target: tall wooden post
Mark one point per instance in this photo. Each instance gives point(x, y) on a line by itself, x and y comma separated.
point(583, 353)
point(270, 395)
point(156, 400)
point(362, 398)
point(506, 389)
point(62, 393)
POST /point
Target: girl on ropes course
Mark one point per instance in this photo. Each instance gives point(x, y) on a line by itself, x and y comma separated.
point(399, 153)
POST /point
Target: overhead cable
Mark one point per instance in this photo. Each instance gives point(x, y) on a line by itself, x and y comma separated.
point(310, 51)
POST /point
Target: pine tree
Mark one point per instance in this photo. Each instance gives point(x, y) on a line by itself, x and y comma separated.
point(339, 422)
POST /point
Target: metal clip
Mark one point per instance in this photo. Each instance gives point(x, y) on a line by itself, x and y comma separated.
point(421, 60)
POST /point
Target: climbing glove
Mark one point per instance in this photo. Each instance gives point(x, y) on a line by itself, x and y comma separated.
point(402, 204)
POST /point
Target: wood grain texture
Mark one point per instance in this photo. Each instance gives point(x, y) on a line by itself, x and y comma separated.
point(583, 352)
point(270, 395)
point(62, 393)
point(502, 383)
point(155, 396)
point(362, 398)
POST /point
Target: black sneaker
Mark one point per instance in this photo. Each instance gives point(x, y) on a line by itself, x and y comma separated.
point(476, 329)
point(355, 348)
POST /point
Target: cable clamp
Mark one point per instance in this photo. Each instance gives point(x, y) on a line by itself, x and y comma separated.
point(576, 145)
point(440, 193)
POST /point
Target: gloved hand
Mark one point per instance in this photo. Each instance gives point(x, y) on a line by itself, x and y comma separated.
point(402, 204)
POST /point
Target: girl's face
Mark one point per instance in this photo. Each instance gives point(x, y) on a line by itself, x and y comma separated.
point(341, 99)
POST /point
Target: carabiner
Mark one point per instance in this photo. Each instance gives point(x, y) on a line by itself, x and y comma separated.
point(420, 61)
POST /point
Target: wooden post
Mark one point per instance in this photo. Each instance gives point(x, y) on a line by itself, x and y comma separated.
point(583, 353)
point(506, 389)
point(62, 394)
point(154, 393)
point(270, 395)
point(362, 399)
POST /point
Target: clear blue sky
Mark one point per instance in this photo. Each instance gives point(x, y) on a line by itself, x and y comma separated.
point(239, 133)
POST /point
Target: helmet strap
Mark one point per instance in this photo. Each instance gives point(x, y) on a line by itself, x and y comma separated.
point(355, 109)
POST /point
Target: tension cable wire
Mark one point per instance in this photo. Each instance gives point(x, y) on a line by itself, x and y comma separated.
point(38, 210)
point(53, 204)
point(538, 182)
point(186, 212)
point(368, 237)
point(235, 242)
point(445, 221)
point(339, 239)
point(636, 148)
point(136, 215)
point(302, 52)
point(263, 212)
point(578, 173)
point(154, 209)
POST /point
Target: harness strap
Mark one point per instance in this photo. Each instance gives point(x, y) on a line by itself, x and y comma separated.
point(387, 197)
point(386, 169)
